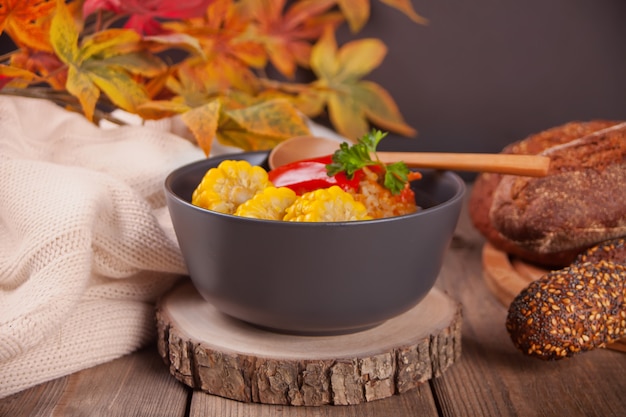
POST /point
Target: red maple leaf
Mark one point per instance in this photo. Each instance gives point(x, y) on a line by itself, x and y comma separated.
point(144, 14)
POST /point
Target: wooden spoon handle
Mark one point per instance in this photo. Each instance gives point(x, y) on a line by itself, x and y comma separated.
point(530, 165)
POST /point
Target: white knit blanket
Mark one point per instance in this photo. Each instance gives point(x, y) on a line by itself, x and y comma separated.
point(86, 245)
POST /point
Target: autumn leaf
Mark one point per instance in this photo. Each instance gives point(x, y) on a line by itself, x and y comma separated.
point(287, 35)
point(352, 102)
point(357, 12)
point(261, 126)
point(15, 76)
point(144, 15)
point(46, 65)
point(203, 123)
point(406, 7)
point(27, 22)
point(229, 54)
point(105, 62)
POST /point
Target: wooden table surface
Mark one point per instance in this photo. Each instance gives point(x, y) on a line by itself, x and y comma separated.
point(490, 379)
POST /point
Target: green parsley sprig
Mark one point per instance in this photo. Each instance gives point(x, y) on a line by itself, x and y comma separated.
point(351, 158)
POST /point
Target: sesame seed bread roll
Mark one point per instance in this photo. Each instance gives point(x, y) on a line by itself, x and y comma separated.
point(611, 250)
point(571, 310)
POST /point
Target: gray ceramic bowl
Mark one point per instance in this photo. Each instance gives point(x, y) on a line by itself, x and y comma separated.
point(313, 278)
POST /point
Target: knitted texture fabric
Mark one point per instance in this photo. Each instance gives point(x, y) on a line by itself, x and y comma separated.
point(86, 244)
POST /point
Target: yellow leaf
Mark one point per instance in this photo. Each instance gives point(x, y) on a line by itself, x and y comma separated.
point(260, 126)
point(203, 122)
point(358, 58)
point(141, 63)
point(180, 40)
point(247, 141)
point(347, 116)
point(157, 109)
point(64, 35)
point(381, 109)
point(13, 72)
point(357, 13)
point(109, 43)
point(277, 118)
point(118, 86)
point(323, 56)
point(406, 7)
point(80, 86)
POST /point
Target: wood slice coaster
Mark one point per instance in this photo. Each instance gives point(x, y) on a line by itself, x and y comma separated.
point(507, 276)
point(212, 352)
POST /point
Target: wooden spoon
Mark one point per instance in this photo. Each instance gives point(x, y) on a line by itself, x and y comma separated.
point(304, 147)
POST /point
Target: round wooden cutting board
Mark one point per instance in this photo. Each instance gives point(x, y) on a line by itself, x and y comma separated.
point(507, 276)
point(217, 354)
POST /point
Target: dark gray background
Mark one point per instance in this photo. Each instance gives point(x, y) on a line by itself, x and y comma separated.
point(485, 73)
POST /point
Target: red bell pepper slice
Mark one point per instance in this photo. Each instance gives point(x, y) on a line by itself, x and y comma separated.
point(311, 174)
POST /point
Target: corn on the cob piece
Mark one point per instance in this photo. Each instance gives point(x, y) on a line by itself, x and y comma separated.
point(326, 205)
point(269, 204)
point(232, 183)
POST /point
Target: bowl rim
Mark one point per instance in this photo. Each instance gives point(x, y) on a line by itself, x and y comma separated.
point(457, 180)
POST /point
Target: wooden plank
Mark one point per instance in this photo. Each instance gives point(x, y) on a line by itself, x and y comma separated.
point(492, 378)
point(136, 384)
point(418, 402)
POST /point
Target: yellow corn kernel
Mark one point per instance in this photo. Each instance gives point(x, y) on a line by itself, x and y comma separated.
point(232, 183)
point(269, 204)
point(326, 205)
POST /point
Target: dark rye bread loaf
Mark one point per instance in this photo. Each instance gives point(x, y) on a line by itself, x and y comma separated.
point(481, 197)
point(579, 203)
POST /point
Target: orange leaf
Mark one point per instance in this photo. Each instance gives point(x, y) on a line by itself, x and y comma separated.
point(45, 64)
point(157, 109)
point(27, 22)
point(406, 7)
point(203, 122)
point(15, 77)
point(284, 33)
